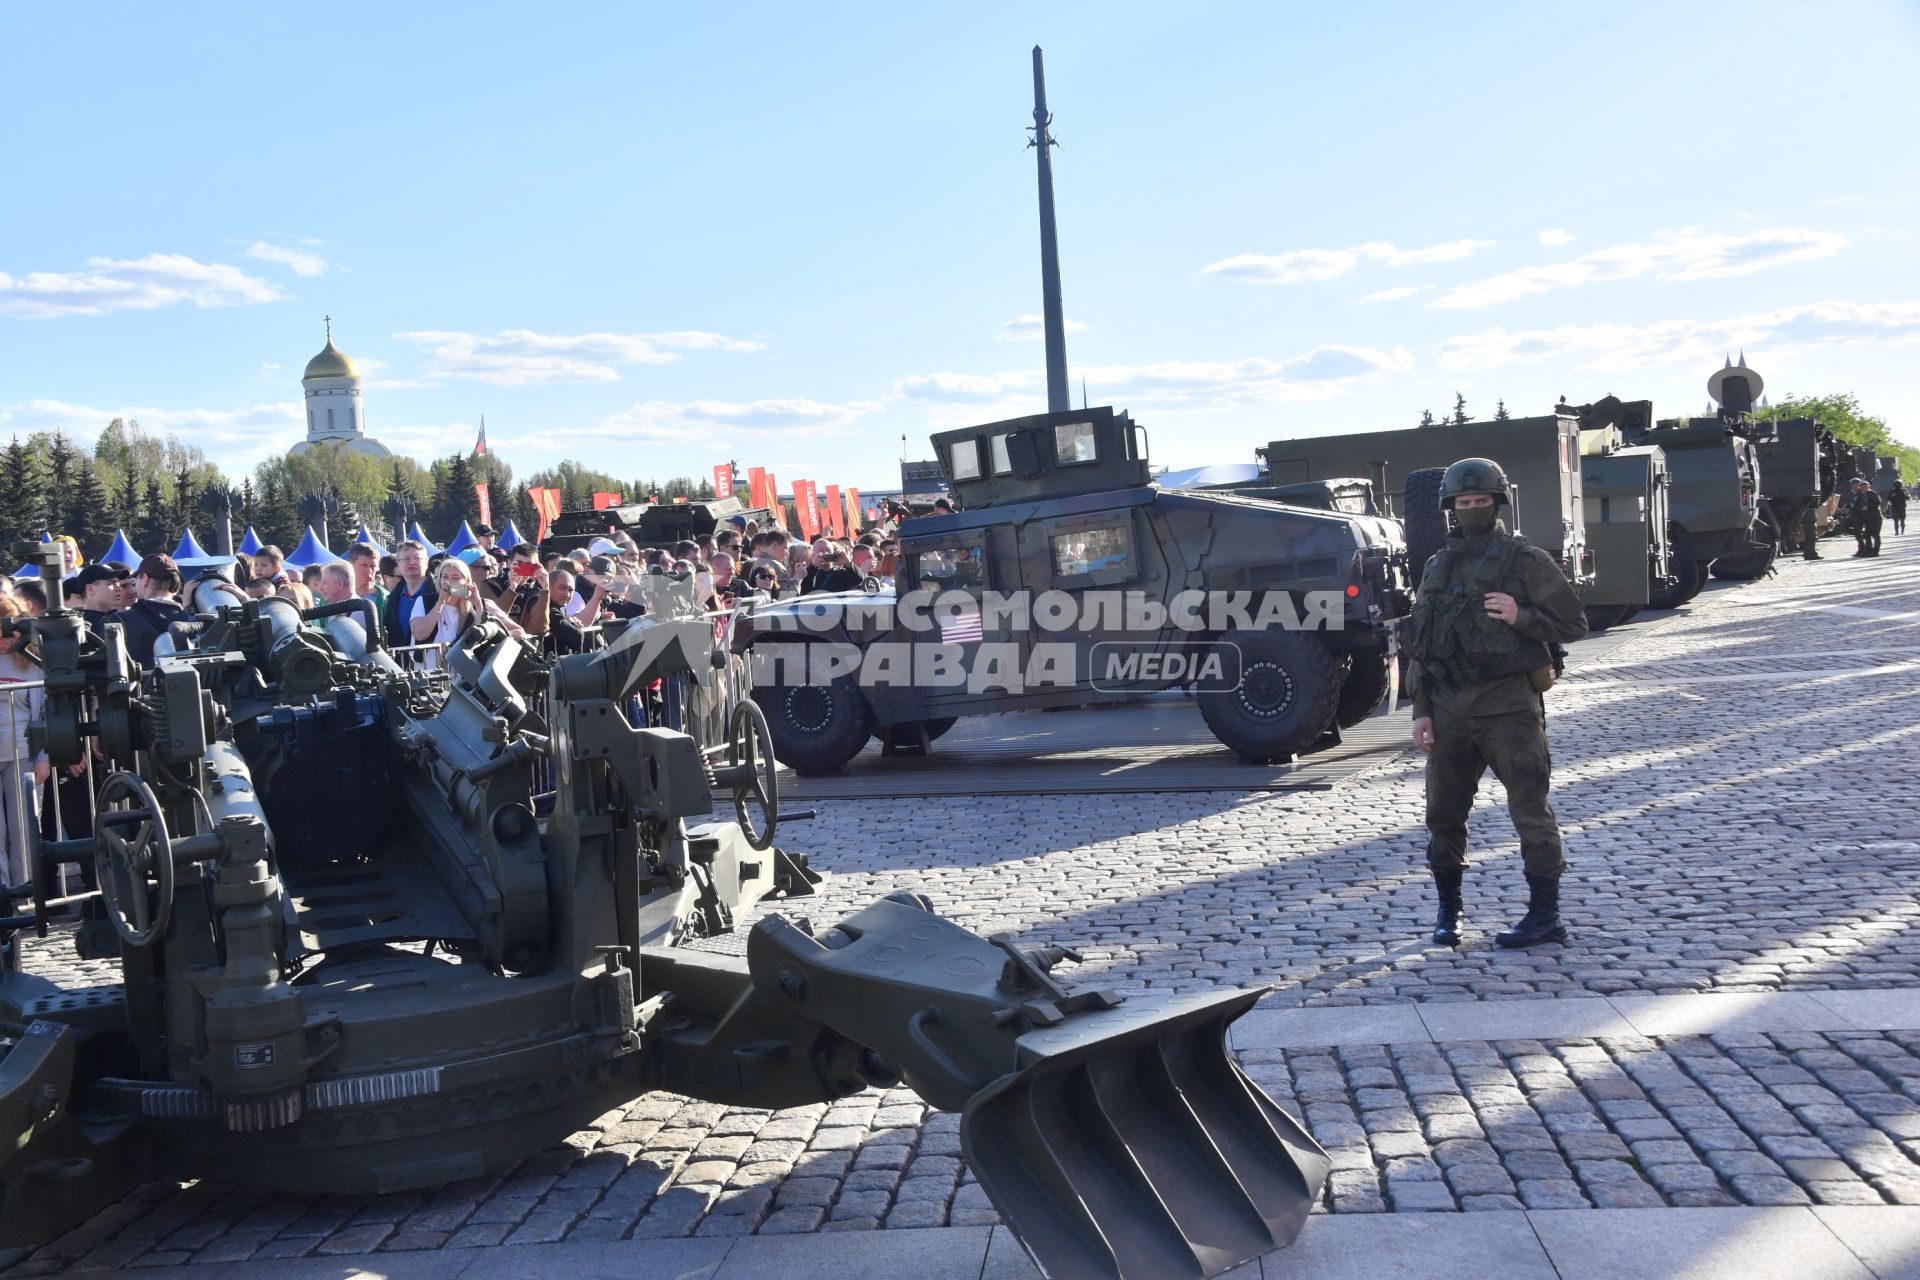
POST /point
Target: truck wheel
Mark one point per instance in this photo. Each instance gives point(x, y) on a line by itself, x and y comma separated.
point(1424, 521)
point(1602, 616)
point(1687, 575)
point(816, 728)
point(1364, 688)
point(1749, 565)
point(1289, 686)
point(1630, 612)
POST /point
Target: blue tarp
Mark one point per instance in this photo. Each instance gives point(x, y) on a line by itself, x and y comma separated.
point(366, 535)
point(509, 538)
point(189, 548)
point(419, 535)
point(251, 544)
point(311, 551)
point(1218, 473)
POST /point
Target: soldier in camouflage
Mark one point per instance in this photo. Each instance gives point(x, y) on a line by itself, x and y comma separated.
point(1480, 642)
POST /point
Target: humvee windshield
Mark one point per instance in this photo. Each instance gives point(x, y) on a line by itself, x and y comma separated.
point(951, 569)
point(1002, 465)
point(1086, 550)
point(965, 461)
point(1073, 442)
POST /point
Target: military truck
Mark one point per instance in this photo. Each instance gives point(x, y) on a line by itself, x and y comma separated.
point(651, 524)
point(1795, 479)
point(1068, 578)
point(1624, 495)
point(1886, 475)
point(1540, 456)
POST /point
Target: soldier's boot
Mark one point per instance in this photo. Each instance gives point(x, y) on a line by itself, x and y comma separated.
point(1542, 921)
point(1446, 923)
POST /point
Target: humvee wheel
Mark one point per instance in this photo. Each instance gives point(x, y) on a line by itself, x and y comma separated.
point(1688, 577)
point(1363, 689)
point(816, 728)
point(1602, 616)
point(1289, 687)
point(1631, 612)
point(934, 728)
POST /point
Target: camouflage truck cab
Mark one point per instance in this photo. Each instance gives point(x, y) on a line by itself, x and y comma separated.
point(1540, 456)
point(1069, 578)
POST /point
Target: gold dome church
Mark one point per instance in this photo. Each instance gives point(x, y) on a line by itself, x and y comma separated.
point(336, 412)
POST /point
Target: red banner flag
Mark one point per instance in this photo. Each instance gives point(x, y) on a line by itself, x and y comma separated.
point(836, 513)
point(853, 511)
point(723, 481)
point(601, 501)
point(546, 505)
point(757, 487)
point(485, 498)
point(772, 502)
point(806, 506)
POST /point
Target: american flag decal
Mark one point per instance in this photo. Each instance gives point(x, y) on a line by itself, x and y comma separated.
point(960, 628)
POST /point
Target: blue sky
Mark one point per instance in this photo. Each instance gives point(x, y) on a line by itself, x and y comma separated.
point(655, 237)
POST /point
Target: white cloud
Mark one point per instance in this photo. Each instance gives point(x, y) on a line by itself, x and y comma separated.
point(138, 284)
point(1553, 237)
point(1620, 348)
point(1394, 295)
point(519, 357)
point(710, 424)
point(1688, 254)
point(1300, 265)
point(1294, 267)
point(1030, 329)
point(233, 439)
point(299, 261)
point(1451, 251)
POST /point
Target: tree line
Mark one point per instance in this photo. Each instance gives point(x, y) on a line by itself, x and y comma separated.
point(154, 486)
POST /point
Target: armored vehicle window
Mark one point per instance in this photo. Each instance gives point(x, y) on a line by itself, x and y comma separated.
point(1073, 442)
point(964, 463)
point(951, 569)
point(1091, 550)
point(1002, 465)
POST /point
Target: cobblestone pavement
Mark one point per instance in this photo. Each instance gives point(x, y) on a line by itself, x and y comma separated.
point(1738, 783)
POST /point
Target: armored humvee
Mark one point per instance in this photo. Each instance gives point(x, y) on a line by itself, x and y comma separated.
point(1624, 492)
point(651, 524)
point(1540, 456)
point(1068, 577)
point(1347, 494)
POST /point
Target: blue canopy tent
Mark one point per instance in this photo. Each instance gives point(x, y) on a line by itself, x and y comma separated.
point(509, 538)
point(462, 540)
point(122, 552)
point(249, 545)
point(1218, 473)
point(31, 571)
point(189, 548)
point(311, 551)
point(366, 535)
point(419, 535)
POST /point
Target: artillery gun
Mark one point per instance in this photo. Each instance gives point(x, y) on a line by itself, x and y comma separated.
point(354, 960)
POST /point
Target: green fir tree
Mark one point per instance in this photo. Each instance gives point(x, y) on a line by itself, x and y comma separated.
point(1459, 418)
point(1500, 413)
point(88, 516)
point(22, 513)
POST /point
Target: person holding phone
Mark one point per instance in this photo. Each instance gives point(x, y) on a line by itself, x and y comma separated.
point(455, 610)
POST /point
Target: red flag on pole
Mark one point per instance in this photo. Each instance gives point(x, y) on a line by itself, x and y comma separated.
point(723, 481)
point(546, 505)
point(480, 445)
point(772, 502)
point(836, 513)
point(853, 511)
point(757, 486)
point(485, 498)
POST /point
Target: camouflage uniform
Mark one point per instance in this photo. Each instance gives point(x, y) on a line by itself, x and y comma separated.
point(1498, 722)
point(1471, 677)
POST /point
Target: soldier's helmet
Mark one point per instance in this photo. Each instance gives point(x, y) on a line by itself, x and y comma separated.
point(1473, 475)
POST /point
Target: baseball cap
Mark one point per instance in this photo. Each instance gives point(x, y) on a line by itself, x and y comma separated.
point(471, 555)
point(484, 530)
point(97, 572)
point(604, 565)
point(603, 547)
point(158, 567)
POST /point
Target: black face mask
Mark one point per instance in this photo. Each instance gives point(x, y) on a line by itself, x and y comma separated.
point(1476, 519)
